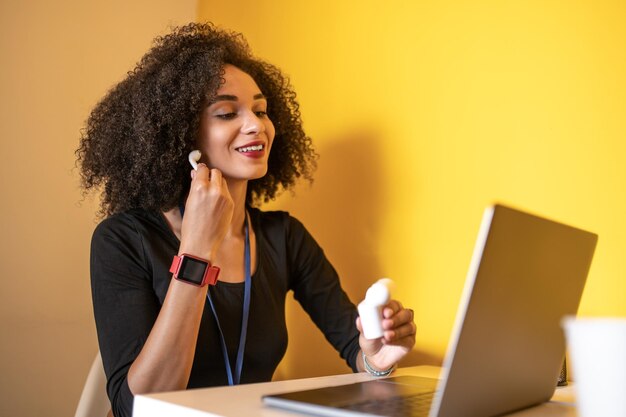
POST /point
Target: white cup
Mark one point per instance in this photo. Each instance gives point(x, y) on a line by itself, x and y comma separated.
point(597, 350)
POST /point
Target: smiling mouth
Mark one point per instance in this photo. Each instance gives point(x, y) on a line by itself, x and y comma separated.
point(253, 148)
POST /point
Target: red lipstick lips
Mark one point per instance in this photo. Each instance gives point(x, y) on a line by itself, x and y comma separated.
point(252, 149)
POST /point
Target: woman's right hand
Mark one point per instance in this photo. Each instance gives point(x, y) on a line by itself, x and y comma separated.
point(208, 213)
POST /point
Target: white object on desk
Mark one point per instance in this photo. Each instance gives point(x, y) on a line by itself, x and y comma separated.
point(597, 349)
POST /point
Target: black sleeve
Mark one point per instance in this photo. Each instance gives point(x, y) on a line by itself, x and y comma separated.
point(317, 288)
point(124, 302)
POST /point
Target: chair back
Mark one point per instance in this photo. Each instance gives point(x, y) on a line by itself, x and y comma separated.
point(94, 400)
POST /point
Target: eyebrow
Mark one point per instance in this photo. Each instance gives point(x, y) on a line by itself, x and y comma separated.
point(228, 97)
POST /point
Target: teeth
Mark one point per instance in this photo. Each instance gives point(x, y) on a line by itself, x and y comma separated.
point(251, 148)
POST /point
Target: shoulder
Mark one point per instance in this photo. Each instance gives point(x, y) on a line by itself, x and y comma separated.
point(129, 228)
point(285, 233)
point(132, 240)
point(125, 223)
point(276, 222)
point(129, 221)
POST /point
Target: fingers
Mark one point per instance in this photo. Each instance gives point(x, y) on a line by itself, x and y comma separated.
point(215, 176)
point(208, 189)
point(399, 333)
point(208, 212)
point(392, 308)
point(398, 323)
point(205, 177)
point(204, 173)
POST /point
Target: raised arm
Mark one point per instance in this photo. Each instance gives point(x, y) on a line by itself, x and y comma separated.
point(148, 347)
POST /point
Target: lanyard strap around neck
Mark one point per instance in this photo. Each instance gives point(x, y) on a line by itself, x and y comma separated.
point(236, 378)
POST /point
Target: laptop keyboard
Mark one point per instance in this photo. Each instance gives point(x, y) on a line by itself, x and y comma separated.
point(417, 405)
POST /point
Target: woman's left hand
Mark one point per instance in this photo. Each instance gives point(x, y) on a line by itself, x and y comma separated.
point(398, 337)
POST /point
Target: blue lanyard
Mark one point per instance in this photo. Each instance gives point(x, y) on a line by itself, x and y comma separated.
point(236, 378)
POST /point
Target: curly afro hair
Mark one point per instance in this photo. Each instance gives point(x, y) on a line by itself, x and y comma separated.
point(135, 143)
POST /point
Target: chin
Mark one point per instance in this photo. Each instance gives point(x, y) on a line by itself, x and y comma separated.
point(249, 176)
point(256, 177)
point(259, 173)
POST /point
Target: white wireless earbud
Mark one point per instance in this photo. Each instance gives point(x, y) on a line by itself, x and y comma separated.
point(371, 309)
point(194, 157)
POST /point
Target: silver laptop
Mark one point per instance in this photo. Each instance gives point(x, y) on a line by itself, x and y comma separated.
point(507, 348)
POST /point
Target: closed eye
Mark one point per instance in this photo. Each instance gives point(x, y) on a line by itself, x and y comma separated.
point(226, 116)
point(260, 113)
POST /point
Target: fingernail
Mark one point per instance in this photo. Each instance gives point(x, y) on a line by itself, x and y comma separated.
point(193, 173)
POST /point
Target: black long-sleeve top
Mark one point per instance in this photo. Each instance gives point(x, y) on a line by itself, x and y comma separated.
point(131, 254)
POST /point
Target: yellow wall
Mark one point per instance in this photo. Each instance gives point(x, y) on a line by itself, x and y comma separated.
point(424, 112)
point(58, 58)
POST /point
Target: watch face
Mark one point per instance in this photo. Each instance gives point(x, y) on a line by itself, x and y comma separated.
point(192, 270)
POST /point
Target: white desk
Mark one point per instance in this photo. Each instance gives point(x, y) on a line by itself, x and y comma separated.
point(245, 400)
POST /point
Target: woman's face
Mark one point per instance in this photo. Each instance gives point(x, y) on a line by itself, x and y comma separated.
point(235, 133)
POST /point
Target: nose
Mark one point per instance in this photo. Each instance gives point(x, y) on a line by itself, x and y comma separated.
point(252, 124)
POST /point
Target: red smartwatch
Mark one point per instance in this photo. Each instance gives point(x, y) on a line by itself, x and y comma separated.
point(193, 270)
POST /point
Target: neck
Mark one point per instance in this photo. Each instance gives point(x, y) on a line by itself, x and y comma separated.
point(238, 190)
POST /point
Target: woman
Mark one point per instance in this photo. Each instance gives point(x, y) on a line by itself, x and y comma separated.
point(199, 88)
